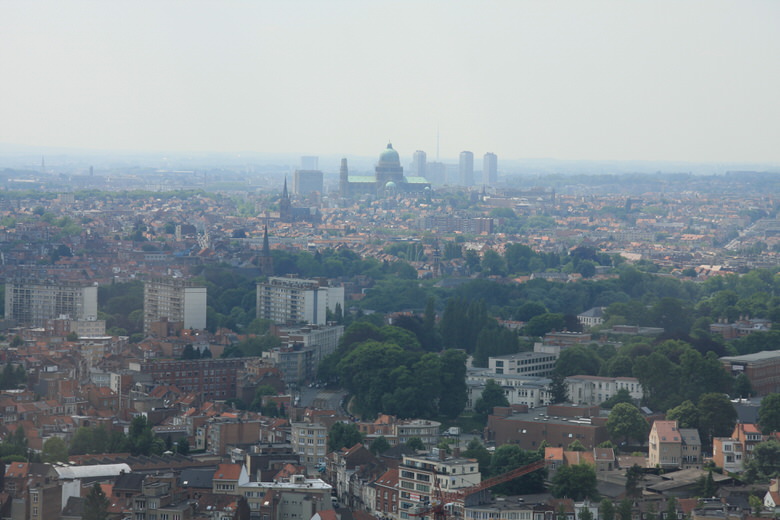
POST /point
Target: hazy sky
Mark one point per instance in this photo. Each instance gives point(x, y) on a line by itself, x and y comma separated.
point(660, 80)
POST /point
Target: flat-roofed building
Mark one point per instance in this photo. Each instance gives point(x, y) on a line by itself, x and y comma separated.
point(31, 303)
point(174, 300)
point(761, 368)
point(584, 389)
point(296, 300)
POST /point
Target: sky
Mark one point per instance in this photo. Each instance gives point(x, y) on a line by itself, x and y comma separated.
point(575, 80)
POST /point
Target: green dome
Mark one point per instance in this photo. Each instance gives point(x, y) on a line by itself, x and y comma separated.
point(389, 155)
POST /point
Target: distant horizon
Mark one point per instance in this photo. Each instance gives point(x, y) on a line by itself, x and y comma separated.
point(601, 80)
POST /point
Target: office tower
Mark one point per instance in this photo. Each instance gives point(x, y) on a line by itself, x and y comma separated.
point(294, 300)
point(176, 300)
point(466, 169)
point(437, 173)
point(31, 303)
point(310, 162)
point(489, 169)
point(419, 163)
point(306, 182)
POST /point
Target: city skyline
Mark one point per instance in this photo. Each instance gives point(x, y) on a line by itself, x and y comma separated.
point(567, 80)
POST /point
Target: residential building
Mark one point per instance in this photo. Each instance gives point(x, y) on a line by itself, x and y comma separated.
point(728, 453)
point(419, 476)
point(209, 378)
point(673, 447)
point(398, 432)
point(594, 390)
point(31, 303)
point(386, 494)
point(748, 435)
point(287, 498)
point(228, 478)
point(295, 300)
point(530, 391)
point(310, 441)
point(175, 300)
point(592, 317)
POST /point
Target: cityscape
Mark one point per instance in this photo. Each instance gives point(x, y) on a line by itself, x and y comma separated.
point(349, 260)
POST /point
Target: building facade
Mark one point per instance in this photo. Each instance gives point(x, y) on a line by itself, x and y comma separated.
point(295, 300)
point(418, 476)
point(175, 300)
point(489, 169)
point(594, 390)
point(32, 303)
point(209, 378)
point(466, 169)
point(530, 364)
point(388, 178)
point(310, 441)
point(761, 368)
point(306, 182)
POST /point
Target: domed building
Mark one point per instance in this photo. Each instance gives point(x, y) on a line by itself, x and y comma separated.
point(388, 177)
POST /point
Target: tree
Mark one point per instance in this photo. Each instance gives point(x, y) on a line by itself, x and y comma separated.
point(756, 505)
point(415, 443)
point(717, 416)
point(343, 435)
point(624, 509)
point(576, 481)
point(492, 396)
point(243, 512)
point(576, 445)
point(476, 450)
point(634, 475)
point(578, 360)
point(379, 445)
point(559, 392)
point(96, 504)
point(742, 387)
point(765, 463)
point(686, 415)
point(671, 509)
point(55, 450)
point(625, 422)
point(769, 414)
point(622, 396)
point(183, 446)
point(511, 456)
point(607, 509)
point(585, 514)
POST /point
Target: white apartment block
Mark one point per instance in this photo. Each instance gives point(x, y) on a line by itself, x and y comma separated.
point(594, 390)
point(176, 299)
point(295, 300)
point(31, 303)
point(536, 364)
point(528, 390)
point(417, 485)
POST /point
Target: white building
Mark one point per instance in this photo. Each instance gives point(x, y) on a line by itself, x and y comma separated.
point(417, 478)
point(310, 441)
point(31, 303)
point(527, 390)
point(466, 169)
point(176, 300)
point(489, 169)
point(594, 390)
point(530, 364)
point(295, 300)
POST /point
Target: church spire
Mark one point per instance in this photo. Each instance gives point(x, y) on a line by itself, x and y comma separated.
point(284, 191)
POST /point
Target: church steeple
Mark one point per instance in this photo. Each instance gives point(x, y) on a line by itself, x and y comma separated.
point(265, 259)
point(285, 206)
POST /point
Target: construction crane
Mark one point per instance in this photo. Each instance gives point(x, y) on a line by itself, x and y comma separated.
point(437, 508)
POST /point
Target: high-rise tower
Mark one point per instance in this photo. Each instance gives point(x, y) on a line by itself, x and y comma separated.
point(420, 163)
point(489, 169)
point(466, 169)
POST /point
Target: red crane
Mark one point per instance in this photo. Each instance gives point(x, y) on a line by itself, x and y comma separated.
point(438, 506)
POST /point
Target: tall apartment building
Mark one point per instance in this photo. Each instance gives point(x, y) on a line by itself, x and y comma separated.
point(306, 182)
point(466, 169)
point(489, 169)
point(294, 300)
point(420, 163)
point(176, 300)
point(32, 303)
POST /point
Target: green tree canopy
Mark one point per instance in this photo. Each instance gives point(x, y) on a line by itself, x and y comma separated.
point(575, 481)
point(769, 414)
point(492, 396)
point(343, 435)
point(626, 422)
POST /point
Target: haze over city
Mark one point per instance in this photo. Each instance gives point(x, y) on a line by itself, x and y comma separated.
point(690, 81)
